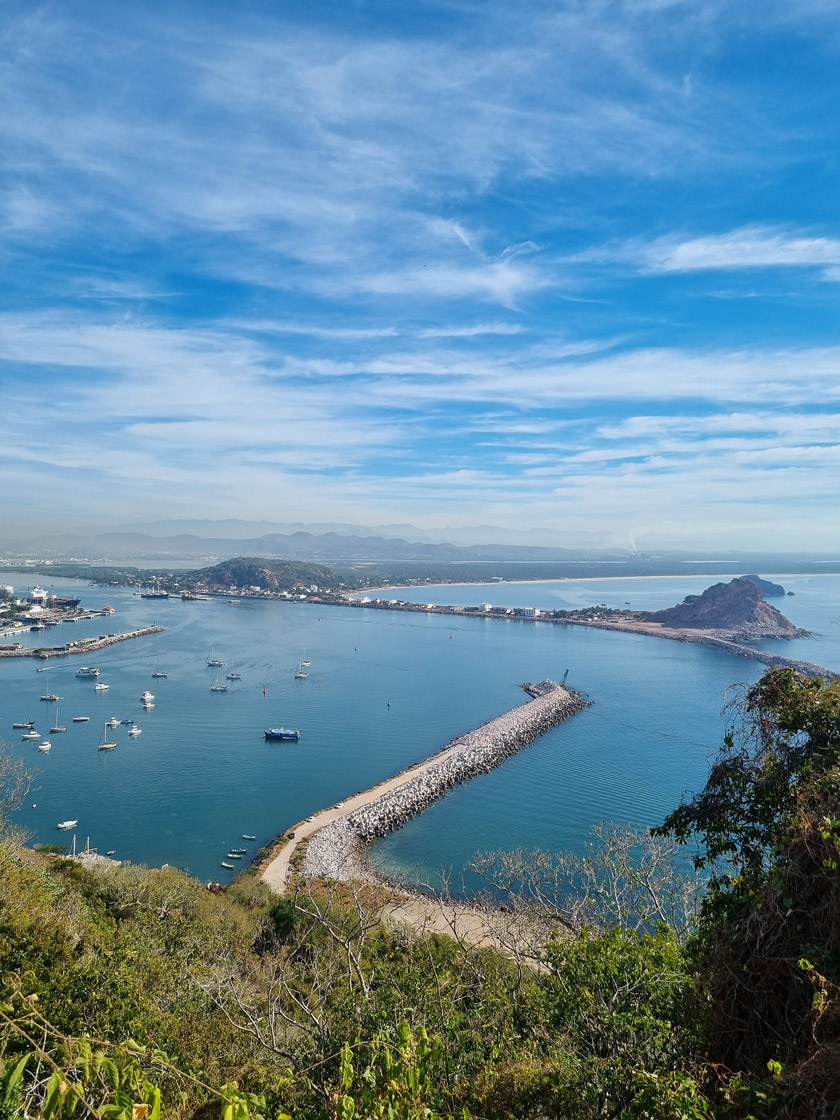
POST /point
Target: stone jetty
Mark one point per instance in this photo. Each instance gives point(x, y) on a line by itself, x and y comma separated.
point(85, 645)
point(337, 850)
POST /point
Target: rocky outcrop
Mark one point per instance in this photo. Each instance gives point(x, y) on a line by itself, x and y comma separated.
point(768, 589)
point(734, 610)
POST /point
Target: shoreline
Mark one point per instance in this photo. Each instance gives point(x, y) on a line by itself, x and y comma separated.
point(581, 579)
point(716, 639)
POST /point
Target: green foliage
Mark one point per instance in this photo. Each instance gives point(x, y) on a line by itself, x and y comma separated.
point(394, 1083)
point(788, 737)
point(625, 1000)
point(768, 947)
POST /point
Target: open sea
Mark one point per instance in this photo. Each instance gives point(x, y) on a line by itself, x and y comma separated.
point(384, 689)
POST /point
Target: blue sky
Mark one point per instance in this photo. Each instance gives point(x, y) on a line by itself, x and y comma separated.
point(571, 266)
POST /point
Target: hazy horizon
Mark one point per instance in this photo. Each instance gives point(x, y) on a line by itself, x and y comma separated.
point(564, 274)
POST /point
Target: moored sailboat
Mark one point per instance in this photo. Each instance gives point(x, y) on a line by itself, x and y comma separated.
point(105, 745)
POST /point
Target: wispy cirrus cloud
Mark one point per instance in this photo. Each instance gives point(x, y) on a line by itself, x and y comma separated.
point(749, 247)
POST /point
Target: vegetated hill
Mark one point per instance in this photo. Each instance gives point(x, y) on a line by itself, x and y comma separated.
point(736, 609)
point(268, 575)
point(768, 589)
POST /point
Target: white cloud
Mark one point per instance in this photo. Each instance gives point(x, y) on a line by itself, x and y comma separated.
point(747, 247)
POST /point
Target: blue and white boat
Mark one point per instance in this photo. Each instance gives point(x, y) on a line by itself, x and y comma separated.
point(276, 733)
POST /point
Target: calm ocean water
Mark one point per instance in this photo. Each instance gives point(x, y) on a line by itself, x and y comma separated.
point(201, 774)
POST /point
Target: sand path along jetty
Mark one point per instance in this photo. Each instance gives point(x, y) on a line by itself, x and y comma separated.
point(336, 838)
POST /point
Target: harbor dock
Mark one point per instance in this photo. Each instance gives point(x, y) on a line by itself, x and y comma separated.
point(337, 836)
point(84, 645)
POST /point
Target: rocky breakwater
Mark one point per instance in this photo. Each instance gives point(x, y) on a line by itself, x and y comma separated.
point(337, 851)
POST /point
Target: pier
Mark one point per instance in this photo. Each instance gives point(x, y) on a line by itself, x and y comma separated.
point(337, 836)
point(84, 645)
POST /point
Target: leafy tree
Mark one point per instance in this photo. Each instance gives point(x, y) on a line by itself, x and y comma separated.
point(768, 944)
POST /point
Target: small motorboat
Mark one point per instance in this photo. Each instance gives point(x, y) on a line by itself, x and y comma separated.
point(45, 747)
point(127, 722)
point(65, 825)
point(100, 687)
point(159, 674)
point(277, 733)
point(147, 696)
point(135, 731)
point(246, 837)
point(234, 855)
point(112, 722)
point(31, 735)
point(228, 866)
point(81, 719)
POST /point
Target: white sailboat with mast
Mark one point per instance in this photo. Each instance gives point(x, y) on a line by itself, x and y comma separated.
point(105, 745)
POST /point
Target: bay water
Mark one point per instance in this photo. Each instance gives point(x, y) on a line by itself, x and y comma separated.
point(384, 689)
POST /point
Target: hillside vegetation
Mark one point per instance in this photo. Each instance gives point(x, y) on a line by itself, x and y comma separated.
point(134, 993)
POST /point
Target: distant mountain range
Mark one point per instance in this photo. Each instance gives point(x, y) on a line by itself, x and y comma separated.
point(212, 541)
point(293, 546)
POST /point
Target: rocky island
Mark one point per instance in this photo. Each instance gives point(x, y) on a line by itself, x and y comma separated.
point(769, 589)
point(735, 611)
point(726, 616)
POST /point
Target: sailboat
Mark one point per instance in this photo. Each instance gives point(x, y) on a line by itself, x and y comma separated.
point(232, 676)
point(216, 686)
point(305, 661)
point(58, 727)
point(213, 660)
point(301, 673)
point(105, 745)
